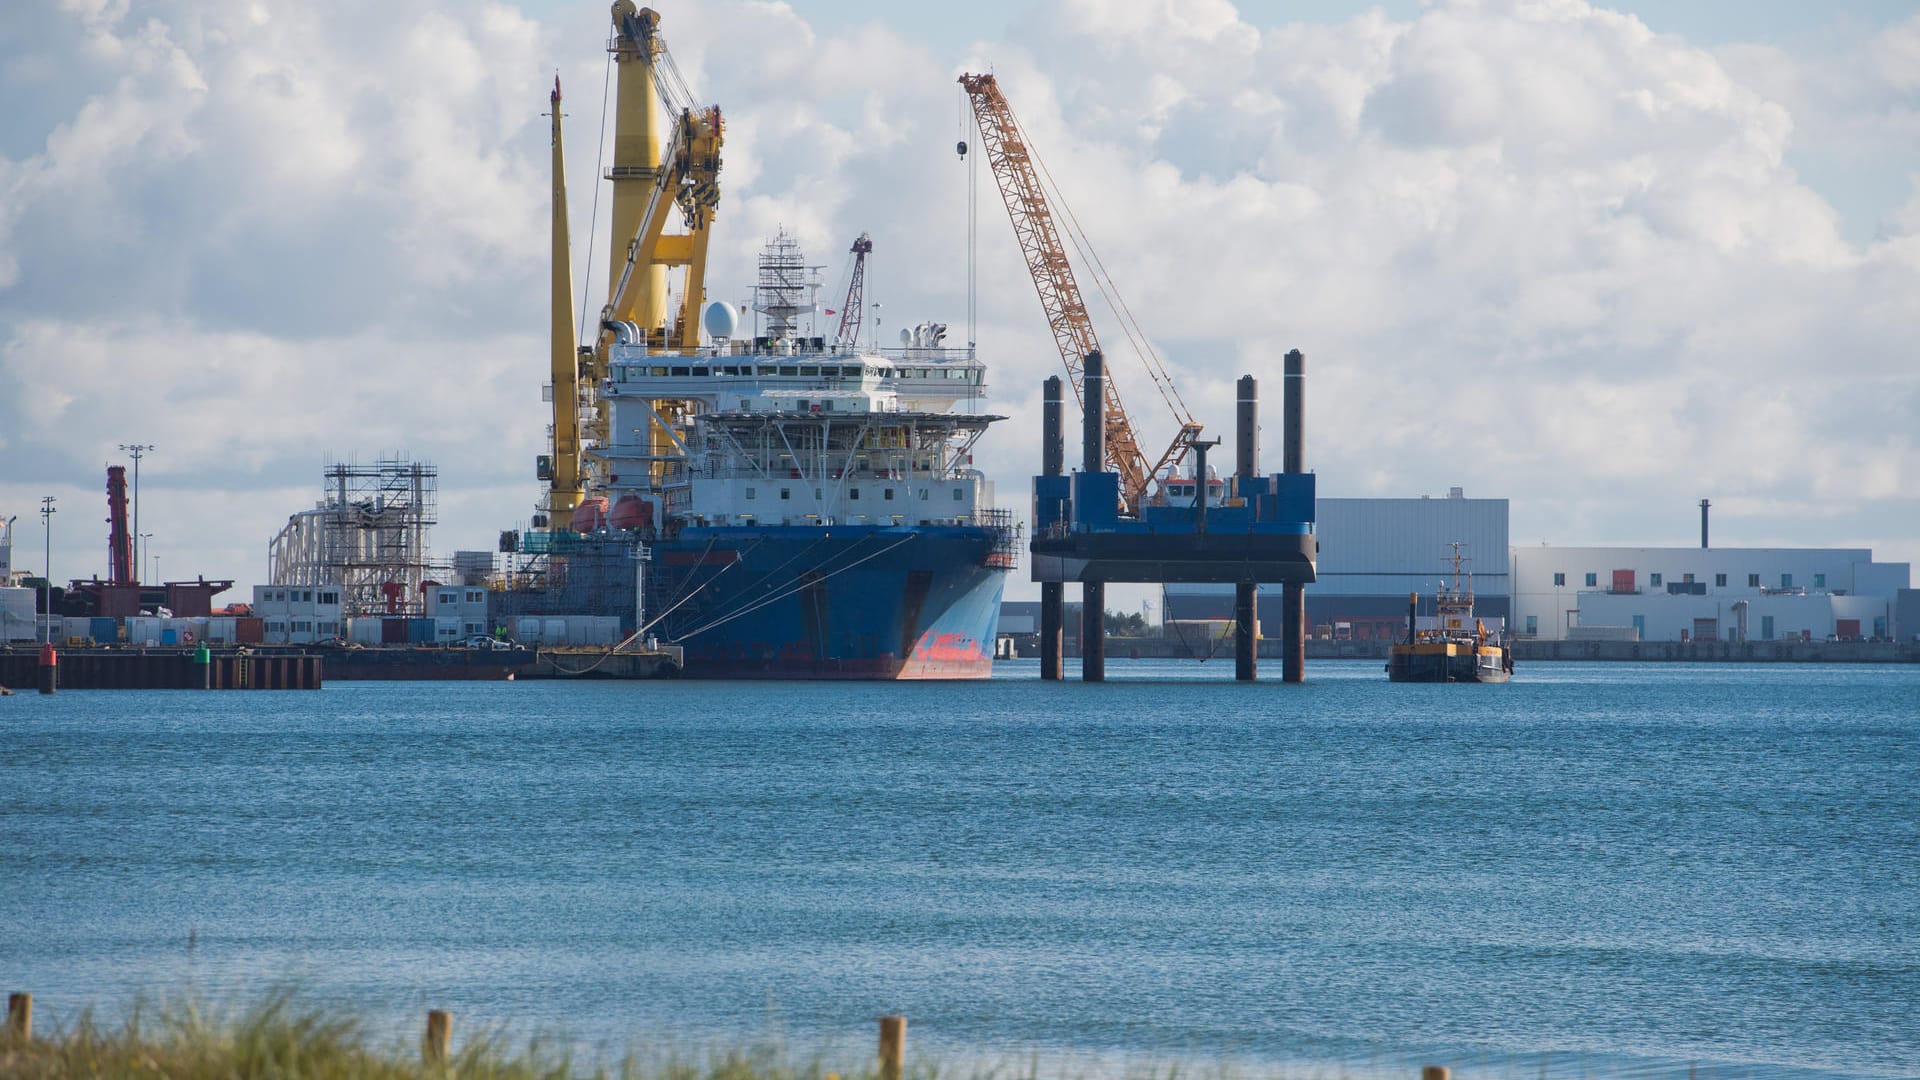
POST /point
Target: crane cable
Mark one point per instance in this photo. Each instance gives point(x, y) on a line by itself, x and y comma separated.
point(1103, 282)
point(797, 588)
point(593, 224)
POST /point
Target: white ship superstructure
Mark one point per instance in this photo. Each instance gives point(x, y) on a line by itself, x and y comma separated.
point(785, 429)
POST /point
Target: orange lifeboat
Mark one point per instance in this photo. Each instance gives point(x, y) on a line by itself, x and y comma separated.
point(590, 514)
point(631, 512)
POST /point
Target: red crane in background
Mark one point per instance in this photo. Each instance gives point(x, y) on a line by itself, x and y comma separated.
point(850, 320)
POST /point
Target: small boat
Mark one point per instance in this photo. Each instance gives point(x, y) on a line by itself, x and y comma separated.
point(1458, 648)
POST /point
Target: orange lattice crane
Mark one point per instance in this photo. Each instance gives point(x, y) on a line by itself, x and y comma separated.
point(1018, 174)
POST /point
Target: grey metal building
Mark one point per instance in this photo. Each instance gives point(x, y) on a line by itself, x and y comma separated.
point(1373, 552)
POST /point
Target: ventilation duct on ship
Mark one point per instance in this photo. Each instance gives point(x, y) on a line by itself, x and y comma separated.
point(624, 333)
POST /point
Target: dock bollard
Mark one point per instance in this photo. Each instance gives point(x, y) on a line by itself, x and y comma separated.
point(1434, 1072)
point(433, 1047)
point(893, 1047)
point(19, 1017)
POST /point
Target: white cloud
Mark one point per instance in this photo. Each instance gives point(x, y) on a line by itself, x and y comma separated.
point(1530, 248)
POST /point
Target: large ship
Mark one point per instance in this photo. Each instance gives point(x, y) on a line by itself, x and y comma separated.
point(792, 504)
point(1458, 647)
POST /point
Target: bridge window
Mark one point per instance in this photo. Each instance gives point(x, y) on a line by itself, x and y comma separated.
point(956, 495)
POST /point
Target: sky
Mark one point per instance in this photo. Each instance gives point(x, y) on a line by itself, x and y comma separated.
point(1600, 260)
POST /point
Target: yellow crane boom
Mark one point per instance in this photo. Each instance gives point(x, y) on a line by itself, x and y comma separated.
point(1033, 225)
point(562, 470)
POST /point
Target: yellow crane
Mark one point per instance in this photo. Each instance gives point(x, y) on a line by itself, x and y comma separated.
point(649, 184)
point(561, 470)
point(1014, 169)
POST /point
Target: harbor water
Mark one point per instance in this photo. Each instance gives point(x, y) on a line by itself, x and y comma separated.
point(1596, 869)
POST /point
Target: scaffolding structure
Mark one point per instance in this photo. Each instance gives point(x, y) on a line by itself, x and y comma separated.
point(368, 536)
point(787, 289)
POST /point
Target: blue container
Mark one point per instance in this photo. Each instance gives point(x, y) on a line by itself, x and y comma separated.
point(420, 631)
point(169, 636)
point(103, 630)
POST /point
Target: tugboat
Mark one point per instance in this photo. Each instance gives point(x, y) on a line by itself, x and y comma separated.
point(1458, 648)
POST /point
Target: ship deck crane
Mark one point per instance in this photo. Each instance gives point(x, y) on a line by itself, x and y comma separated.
point(1014, 169)
point(648, 186)
point(848, 335)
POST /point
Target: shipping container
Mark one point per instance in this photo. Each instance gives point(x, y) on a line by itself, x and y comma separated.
point(554, 631)
point(592, 629)
point(393, 631)
point(19, 608)
point(143, 630)
point(446, 629)
point(104, 630)
point(420, 631)
point(363, 631)
point(249, 629)
point(526, 630)
point(220, 630)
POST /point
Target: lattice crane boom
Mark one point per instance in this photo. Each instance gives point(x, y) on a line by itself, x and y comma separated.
point(850, 319)
point(1014, 170)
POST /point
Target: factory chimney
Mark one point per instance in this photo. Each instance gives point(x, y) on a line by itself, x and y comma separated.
point(119, 539)
point(1703, 523)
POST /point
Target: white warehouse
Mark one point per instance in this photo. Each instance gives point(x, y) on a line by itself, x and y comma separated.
point(1704, 594)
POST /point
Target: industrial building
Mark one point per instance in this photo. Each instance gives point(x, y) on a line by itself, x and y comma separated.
point(1373, 552)
point(1707, 594)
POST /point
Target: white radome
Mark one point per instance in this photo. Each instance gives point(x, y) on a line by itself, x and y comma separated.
point(720, 321)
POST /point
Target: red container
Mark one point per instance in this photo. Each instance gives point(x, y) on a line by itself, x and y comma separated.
point(393, 631)
point(249, 630)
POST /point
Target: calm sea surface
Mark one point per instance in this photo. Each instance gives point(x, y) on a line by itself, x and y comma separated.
point(1596, 869)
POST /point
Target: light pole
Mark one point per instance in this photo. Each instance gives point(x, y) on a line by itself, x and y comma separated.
point(146, 545)
point(138, 451)
point(47, 511)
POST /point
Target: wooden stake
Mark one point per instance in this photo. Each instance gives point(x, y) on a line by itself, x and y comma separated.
point(433, 1049)
point(20, 1016)
point(893, 1047)
point(1433, 1072)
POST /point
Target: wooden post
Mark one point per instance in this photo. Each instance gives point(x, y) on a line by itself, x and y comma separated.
point(1433, 1072)
point(433, 1048)
point(893, 1047)
point(20, 1017)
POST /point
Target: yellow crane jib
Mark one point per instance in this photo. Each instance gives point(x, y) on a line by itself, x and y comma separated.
point(561, 470)
point(687, 179)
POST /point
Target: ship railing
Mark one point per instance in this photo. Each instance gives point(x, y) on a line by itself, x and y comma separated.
point(1005, 552)
point(937, 355)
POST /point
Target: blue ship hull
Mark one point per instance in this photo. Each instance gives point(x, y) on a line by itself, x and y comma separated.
point(839, 602)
